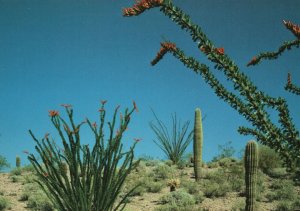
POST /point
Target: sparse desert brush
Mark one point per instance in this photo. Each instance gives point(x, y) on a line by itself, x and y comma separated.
point(15, 178)
point(269, 159)
point(212, 189)
point(164, 171)
point(282, 190)
point(180, 199)
point(39, 201)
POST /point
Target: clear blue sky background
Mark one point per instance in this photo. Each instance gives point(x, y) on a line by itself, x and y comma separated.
point(81, 52)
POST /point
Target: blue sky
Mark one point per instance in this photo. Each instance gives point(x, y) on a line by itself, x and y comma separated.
point(81, 52)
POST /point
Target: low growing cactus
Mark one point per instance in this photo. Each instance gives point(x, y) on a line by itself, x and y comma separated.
point(173, 184)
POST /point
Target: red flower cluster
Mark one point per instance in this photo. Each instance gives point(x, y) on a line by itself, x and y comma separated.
point(165, 47)
point(295, 29)
point(103, 102)
point(220, 51)
point(53, 113)
point(141, 6)
point(253, 61)
point(138, 139)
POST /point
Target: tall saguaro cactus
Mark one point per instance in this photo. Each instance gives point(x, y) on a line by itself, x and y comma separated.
point(198, 143)
point(18, 162)
point(251, 166)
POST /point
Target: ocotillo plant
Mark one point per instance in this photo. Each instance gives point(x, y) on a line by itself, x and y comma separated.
point(18, 162)
point(95, 176)
point(250, 102)
point(251, 167)
point(174, 144)
point(198, 144)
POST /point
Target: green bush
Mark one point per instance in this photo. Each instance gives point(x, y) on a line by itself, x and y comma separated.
point(14, 178)
point(179, 198)
point(288, 205)
point(268, 159)
point(163, 172)
point(3, 203)
point(154, 187)
point(282, 190)
point(16, 171)
point(39, 202)
point(3, 163)
point(215, 189)
point(227, 162)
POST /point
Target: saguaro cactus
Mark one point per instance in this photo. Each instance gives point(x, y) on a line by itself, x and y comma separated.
point(18, 162)
point(198, 143)
point(251, 166)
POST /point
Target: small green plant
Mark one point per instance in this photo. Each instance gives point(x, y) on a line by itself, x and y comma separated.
point(96, 176)
point(14, 178)
point(179, 198)
point(3, 203)
point(173, 145)
point(16, 171)
point(154, 187)
point(214, 189)
point(3, 163)
point(282, 190)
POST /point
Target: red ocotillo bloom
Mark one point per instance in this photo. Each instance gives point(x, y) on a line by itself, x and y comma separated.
point(220, 51)
point(289, 79)
point(141, 6)
point(53, 113)
point(165, 47)
point(295, 29)
point(253, 61)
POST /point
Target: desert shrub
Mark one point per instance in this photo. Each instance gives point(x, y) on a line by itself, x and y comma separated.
point(3, 163)
point(199, 197)
point(277, 172)
point(154, 187)
point(139, 191)
point(227, 162)
point(268, 159)
point(39, 202)
point(16, 171)
point(172, 207)
point(162, 172)
point(286, 205)
point(225, 151)
point(28, 168)
point(190, 187)
point(213, 164)
point(3, 203)
point(182, 164)
point(214, 189)
point(30, 178)
point(282, 190)
point(179, 198)
point(15, 178)
point(24, 196)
